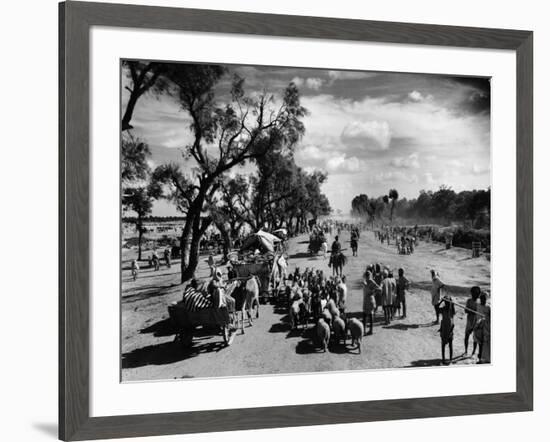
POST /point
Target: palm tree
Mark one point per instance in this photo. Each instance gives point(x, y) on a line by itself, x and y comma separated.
point(394, 196)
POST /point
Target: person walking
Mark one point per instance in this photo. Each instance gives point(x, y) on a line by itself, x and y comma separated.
point(388, 294)
point(370, 287)
point(168, 256)
point(135, 269)
point(471, 318)
point(437, 286)
point(402, 284)
point(447, 327)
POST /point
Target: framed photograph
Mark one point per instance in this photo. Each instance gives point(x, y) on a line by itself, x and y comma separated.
point(271, 221)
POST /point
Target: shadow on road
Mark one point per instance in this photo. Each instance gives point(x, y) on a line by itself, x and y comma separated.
point(436, 361)
point(302, 255)
point(140, 295)
point(425, 363)
point(405, 327)
point(167, 353)
point(280, 327)
point(307, 347)
point(165, 327)
point(456, 290)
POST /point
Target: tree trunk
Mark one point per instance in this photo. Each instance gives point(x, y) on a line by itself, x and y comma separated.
point(129, 111)
point(140, 237)
point(185, 246)
point(194, 247)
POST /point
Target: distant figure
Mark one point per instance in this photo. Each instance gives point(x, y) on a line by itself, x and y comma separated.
point(324, 247)
point(482, 330)
point(211, 265)
point(168, 256)
point(135, 269)
point(336, 246)
point(354, 242)
point(388, 295)
point(447, 326)
point(377, 276)
point(282, 266)
point(402, 284)
point(370, 288)
point(342, 294)
point(156, 261)
point(437, 285)
point(471, 318)
point(231, 273)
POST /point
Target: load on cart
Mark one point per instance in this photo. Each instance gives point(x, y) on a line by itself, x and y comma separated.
point(259, 256)
point(207, 311)
point(316, 240)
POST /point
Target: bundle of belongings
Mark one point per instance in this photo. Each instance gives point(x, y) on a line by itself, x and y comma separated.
point(194, 300)
point(262, 241)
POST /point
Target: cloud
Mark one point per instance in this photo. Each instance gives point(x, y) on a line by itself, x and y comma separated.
point(417, 97)
point(371, 135)
point(480, 169)
point(311, 153)
point(313, 157)
point(299, 82)
point(455, 163)
point(313, 83)
point(408, 162)
point(349, 75)
point(341, 164)
point(428, 178)
point(392, 177)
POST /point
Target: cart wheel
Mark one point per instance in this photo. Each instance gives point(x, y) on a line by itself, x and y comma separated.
point(228, 334)
point(186, 338)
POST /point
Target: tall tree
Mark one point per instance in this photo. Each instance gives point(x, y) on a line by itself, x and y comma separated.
point(393, 195)
point(140, 200)
point(360, 205)
point(144, 77)
point(244, 129)
point(135, 154)
point(138, 192)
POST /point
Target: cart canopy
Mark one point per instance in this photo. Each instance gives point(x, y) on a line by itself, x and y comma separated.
point(263, 241)
point(280, 233)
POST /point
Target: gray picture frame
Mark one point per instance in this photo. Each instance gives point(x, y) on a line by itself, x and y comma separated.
point(75, 20)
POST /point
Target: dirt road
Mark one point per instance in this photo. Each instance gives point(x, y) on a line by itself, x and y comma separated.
point(269, 346)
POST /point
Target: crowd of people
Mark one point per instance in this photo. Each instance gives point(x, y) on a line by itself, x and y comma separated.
point(382, 290)
point(313, 295)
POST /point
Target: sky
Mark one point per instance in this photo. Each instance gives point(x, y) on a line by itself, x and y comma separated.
point(370, 131)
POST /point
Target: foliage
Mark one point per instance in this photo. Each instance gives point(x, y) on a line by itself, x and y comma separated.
point(245, 128)
point(134, 154)
point(442, 206)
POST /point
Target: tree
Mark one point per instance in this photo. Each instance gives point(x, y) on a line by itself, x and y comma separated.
point(138, 192)
point(276, 195)
point(140, 200)
point(145, 77)
point(224, 136)
point(134, 159)
point(360, 205)
point(393, 195)
point(228, 215)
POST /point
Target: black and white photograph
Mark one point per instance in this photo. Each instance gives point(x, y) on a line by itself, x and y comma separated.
point(283, 220)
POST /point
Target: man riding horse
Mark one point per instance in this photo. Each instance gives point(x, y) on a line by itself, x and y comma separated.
point(337, 258)
point(354, 241)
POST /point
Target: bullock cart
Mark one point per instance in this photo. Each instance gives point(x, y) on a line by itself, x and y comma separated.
point(219, 319)
point(316, 241)
point(262, 268)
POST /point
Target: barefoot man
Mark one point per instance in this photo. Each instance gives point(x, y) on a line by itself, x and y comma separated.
point(437, 285)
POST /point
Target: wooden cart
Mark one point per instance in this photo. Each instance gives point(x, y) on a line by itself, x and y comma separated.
point(219, 319)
